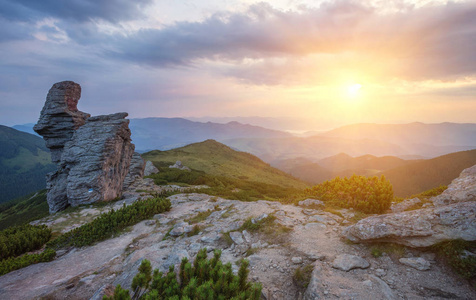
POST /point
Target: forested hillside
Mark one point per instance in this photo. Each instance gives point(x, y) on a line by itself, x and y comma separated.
point(24, 162)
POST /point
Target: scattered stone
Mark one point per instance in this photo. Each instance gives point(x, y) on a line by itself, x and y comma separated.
point(418, 263)
point(247, 236)
point(150, 222)
point(178, 165)
point(346, 262)
point(296, 260)
point(237, 237)
point(319, 219)
point(177, 231)
point(150, 169)
point(315, 226)
point(261, 217)
point(384, 288)
point(174, 259)
point(311, 202)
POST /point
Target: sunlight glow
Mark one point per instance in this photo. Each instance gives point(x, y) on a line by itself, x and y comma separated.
point(353, 90)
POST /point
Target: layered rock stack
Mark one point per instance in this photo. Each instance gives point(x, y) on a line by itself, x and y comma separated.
point(60, 117)
point(93, 154)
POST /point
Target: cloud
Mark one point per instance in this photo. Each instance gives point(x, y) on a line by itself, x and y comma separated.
point(75, 10)
point(416, 43)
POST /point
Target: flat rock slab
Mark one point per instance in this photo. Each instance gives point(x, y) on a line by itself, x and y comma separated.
point(418, 263)
point(347, 262)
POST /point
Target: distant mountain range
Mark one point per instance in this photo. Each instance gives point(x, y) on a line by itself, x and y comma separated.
point(400, 152)
point(416, 140)
point(168, 133)
point(24, 162)
point(412, 134)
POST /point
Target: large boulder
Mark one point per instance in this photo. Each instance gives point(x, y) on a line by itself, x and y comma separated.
point(429, 226)
point(93, 154)
point(461, 189)
point(418, 228)
point(98, 158)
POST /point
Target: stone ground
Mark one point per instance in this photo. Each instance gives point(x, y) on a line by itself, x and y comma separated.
point(313, 238)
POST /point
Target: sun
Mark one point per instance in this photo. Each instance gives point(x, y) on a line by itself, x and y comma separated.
point(353, 90)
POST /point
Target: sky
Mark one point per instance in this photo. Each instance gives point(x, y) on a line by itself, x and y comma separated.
point(324, 63)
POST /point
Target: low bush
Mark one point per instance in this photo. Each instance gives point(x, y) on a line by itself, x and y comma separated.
point(458, 254)
point(204, 279)
point(302, 276)
point(17, 240)
point(366, 194)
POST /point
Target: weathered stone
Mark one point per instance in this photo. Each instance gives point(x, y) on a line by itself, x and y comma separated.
point(419, 228)
point(461, 189)
point(136, 170)
point(237, 237)
point(418, 263)
point(404, 205)
point(261, 217)
point(247, 236)
point(60, 117)
point(311, 202)
point(296, 260)
point(150, 168)
point(386, 291)
point(346, 262)
point(178, 165)
point(315, 226)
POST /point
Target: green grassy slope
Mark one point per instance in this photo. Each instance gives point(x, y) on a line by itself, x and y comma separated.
point(427, 174)
point(23, 210)
point(217, 159)
point(24, 162)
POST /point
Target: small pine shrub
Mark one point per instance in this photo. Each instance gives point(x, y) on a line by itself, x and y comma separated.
point(15, 263)
point(204, 279)
point(366, 194)
point(17, 240)
point(110, 223)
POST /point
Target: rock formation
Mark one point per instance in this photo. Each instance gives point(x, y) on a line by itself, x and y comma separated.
point(93, 153)
point(60, 117)
point(453, 217)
